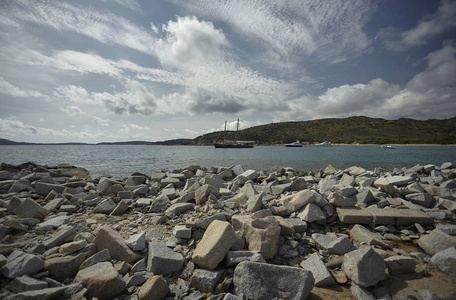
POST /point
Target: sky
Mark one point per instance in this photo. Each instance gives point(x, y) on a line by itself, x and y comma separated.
point(119, 70)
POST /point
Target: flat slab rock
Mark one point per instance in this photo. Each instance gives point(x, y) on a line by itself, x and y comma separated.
point(258, 281)
point(383, 216)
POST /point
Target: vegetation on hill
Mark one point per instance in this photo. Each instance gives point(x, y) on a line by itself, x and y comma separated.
point(362, 130)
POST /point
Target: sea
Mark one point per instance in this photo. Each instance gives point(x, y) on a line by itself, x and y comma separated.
point(120, 161)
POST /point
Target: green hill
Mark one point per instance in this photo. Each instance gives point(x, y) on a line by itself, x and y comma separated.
point(362, 130)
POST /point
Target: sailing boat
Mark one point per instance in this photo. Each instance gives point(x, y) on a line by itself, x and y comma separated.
point(235, 143)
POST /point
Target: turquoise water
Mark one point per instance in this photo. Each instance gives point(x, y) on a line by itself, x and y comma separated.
point(122, 160)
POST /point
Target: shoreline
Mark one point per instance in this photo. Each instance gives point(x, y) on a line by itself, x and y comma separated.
point(310, 230)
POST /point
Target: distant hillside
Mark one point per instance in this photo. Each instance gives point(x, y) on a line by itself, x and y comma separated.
point(362, 130)
point(352, 130)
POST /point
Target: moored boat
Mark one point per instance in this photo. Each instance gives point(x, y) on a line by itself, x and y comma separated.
point(235, 143)
point(324, 144)
point(387, 147)
point(294, 144)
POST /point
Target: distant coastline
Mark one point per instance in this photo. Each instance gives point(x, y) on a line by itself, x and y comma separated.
point(358, 130)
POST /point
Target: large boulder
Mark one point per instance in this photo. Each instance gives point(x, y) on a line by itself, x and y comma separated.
point(445, 260)
point(163, 260)
point(365, 267)
point(319, 271)
point(155, 288)
point(108, 238)
point(216, 241)
point(61, 268)
point(436, 241)
point(262, 235)
point(101, 280)
point(262, 281)
point(19, 263)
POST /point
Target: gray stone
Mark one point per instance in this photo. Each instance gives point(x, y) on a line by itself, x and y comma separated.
point(48, 293)
point(136, 242)
point(385, 185)
point(447, 228)
point(60, 236)
point(121, 207)
point(364, 266)
point(155, 288)
point(136, 279)
point(101, 256)
point(72, 247)
point(105, 207)
point(55, 204)
point(26, 283)
point(233, 258)
point(202, 193)
point(361, 293)
point(334, 245)
point(436, 241)
point(399, 180)
point(319, 271)
point(162, 260)
point(383, 216)
point(125, 195)
point(254, 203)
point(43, 188)
point(140, 266)
point(239, 200)
point(54, 222)
point(340, 201)
point(30, 209)
point(205, 222)
point(258, 281)
point(181, 231)
point(423, 199)
point(74, 291)
point(312, 213)
point(61, 268)
point(361, 234)
point(428, 295)
point(205, 281)
point(262, 235)
point(364, 196)
point(177, 209)
point(217, 240)
point(400, 264)
point(101, 280)
point(445, 260)
point(160, 204)
point(19, 263)
point(108, 238)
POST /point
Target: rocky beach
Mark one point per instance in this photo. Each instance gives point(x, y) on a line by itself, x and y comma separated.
point(228, 233)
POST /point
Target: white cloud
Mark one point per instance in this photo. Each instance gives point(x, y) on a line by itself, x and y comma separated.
point(74, 93)
point(426, 95)
point(284, 30)
point(444, 19)
point(13, 128)
point(190, 42)
point(75, 111)
point(8, 88)
point(432, 25)
point(102, 26)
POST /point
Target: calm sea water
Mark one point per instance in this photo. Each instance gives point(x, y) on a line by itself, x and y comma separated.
point(123, 160)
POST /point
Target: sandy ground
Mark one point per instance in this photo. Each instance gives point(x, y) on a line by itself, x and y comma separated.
point(425, 277)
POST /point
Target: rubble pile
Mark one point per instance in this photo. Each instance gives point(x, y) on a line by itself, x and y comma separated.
point(225, 232)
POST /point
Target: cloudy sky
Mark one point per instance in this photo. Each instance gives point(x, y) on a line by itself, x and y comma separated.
point(118, 70)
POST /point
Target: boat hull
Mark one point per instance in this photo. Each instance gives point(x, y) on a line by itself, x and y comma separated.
point(293, 146)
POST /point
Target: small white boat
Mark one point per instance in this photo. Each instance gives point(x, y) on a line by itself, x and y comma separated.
point(387, 147)
point(295, 144)
point(324, 144)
